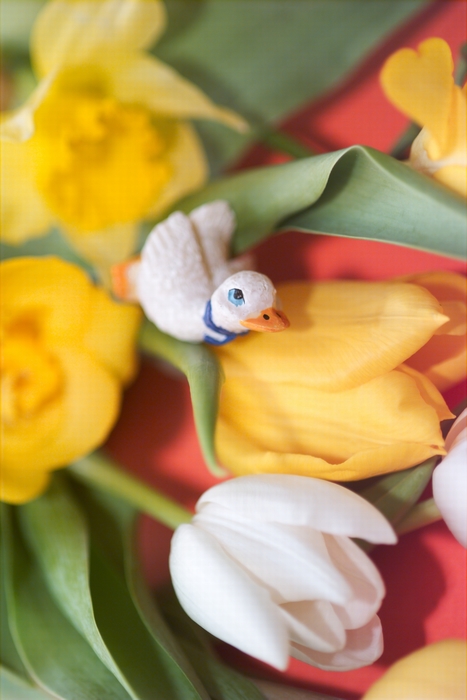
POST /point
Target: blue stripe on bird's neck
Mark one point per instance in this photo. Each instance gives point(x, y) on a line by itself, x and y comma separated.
point(221, 336)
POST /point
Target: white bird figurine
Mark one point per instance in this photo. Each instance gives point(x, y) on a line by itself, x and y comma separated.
point(189, 288)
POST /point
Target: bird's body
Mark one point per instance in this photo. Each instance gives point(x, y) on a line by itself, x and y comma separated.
point(180, 277)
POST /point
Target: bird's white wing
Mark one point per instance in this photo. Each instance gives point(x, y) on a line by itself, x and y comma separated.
point(173, 282)
point(214, 224)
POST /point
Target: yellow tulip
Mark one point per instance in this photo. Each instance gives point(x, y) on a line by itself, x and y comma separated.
point(443, 359)
point(104, 140)
point(67, 349)
point(332, 396)
point(421, 86)
point(435, 672)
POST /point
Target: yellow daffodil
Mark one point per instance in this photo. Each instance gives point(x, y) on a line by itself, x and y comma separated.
point(333, 396)
point(435, 672)
point(421, 86)
point(67, 348)
point(104, 141)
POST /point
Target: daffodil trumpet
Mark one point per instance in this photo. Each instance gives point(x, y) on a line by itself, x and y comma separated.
point(184, 282)
point(105, 140)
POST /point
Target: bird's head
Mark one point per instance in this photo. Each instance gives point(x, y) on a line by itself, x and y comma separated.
point(247, 300)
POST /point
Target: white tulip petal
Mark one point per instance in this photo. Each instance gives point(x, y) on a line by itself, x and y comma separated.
point(458, 431)
point(300, 500)
point(314, 624)
point(293, 563)
point(450, 490)
point(362, 576)
point(223, 599)
point(363, 646)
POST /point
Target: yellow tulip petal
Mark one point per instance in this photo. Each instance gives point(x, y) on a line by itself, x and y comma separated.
point(145, 80)
point(435, 672)
point(443, 359)
point(76, 423)
point(24, 213)
point(79, 31)
point(342, 334)
point(49, 294)
point(421, 84)
point(188, 162)
point(454, 177)
point(429, 393)
point(284, 426)
point(21, 485)
point(111, 334)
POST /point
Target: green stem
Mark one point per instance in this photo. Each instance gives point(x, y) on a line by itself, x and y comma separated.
point(461, 67)
point(102, 473)
point(280, 141)
point(422, 514)
point(405, 140)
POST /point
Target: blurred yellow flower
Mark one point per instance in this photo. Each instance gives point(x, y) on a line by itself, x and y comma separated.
point(421, 86)
point(332, 397)
point(67, 348)
point(103, 142)
point(435, 672)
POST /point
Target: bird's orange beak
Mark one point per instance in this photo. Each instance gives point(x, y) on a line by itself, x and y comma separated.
point(270, 321)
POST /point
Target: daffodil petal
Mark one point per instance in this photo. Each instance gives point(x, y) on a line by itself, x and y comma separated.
point(188, 162)
point(18, 126)
point(21, 485)
point(111, 332)
point(314, 623)
point(363, 646)
point(77, 31)
point(300, 501)
point(24, 214)
point(341, 334)
point(362, 576)
point(434, 672)
point(47, 292)
point(145, 80)
point(222, 598)
point(86, 412)
point(294, 559)
point(443, 358)
point(421, 84)
point(375, 428)
point(105, 248)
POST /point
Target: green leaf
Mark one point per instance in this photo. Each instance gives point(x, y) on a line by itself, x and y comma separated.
point(92, 595)
point(205, 378)
point(56, 656)
point(265, 58)
point(357, 192)
point(112, 523)
point(13, 687)
point(394, 494)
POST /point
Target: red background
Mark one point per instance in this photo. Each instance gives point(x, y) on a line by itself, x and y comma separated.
point(155, 437)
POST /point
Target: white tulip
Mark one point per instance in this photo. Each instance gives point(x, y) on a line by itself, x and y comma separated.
point(450, 480)
point(267, 565)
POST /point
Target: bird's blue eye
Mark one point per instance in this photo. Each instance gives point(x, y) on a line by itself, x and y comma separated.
point(236, 297)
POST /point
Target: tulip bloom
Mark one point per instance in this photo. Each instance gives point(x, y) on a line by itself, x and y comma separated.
point(435, 672)
point(104, 140)
point(450, 481)
point(422, 87)
point(333, 396)
point(267, 565)
point(67, 349)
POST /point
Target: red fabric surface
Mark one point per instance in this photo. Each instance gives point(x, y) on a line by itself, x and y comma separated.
point(155, 437)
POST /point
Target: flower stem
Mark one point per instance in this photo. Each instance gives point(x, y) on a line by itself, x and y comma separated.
point(104, 474)
point(404, 141)
point(422, 514)
point(280, 141)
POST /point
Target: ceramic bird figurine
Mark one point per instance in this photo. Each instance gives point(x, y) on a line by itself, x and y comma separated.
point(189, 288)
